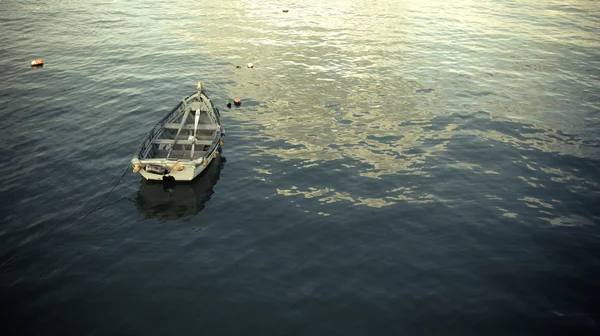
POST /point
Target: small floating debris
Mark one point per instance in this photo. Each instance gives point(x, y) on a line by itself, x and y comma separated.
point(285, 10)
point(228, 105)
point(238, 67)
point(250, 65)
point(37, 63)
point(237, 101)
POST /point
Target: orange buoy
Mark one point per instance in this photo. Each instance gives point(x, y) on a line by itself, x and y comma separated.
point(237, 101)
point(37, 62)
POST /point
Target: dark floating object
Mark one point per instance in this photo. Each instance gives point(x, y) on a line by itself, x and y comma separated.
point(37, 63)
point(228, 105)
point(424, 90)
point(238, 67)
point(237, 101)
point(285, 11)
point(168, 183)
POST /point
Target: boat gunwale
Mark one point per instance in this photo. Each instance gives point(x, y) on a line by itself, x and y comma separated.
point(154, 132)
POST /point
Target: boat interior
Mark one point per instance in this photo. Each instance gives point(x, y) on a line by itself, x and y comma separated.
point(188, 134)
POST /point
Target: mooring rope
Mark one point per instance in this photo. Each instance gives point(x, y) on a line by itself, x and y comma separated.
point(95, 208)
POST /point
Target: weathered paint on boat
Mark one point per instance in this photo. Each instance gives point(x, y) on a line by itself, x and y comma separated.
point(186, 153)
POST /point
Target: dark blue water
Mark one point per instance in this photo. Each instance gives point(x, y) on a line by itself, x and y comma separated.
point(396, 168)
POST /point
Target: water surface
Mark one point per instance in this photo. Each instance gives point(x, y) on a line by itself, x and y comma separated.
point(395, 168)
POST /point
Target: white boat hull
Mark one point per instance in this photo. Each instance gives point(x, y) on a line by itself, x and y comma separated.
point(190, 170)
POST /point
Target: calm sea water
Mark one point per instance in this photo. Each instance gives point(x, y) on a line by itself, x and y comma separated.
point(396, 168)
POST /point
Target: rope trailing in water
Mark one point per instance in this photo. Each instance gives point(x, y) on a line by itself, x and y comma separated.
point(95, 208)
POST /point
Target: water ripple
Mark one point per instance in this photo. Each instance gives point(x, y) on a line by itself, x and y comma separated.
point(407, 158)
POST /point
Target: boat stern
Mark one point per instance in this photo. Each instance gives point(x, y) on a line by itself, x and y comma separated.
point(156, 169)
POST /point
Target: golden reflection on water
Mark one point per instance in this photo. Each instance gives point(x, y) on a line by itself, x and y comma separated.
point(332, 95)
point(387, 86)
point(326, 195)
point(568, 220)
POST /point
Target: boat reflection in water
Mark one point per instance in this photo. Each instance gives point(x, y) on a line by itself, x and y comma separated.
point(173, 200)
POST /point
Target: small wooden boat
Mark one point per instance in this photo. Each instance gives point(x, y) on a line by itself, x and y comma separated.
point(183, 143)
